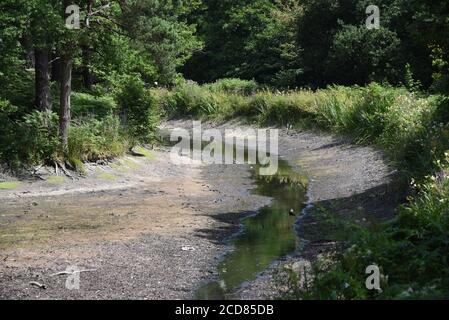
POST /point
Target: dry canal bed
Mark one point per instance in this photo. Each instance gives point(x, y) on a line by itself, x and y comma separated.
point(143, 228)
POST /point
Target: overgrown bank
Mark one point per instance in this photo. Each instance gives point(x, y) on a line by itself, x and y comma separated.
point(411, 249)
point(103, 126)
point(411, 127)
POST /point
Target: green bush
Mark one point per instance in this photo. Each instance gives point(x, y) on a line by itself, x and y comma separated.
point(192, 99)
point(27, 141)
point(232, 85)
point(84, 104)
point(361, 55)
point(138, 108)
point(34, 139)
point(93, 139)
point(18, 89)
point(41, 142)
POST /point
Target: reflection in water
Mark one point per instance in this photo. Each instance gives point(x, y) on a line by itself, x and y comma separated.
point(266, 236)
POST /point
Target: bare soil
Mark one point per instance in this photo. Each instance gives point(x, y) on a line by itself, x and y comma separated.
point(146, 228)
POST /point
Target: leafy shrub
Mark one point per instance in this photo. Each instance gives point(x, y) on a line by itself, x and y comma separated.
point(232, 85)
point(93, 139)
point(361, 55)
point(7, 131)
point(18, 89)
point(84, 104)
point(42, 140)
point(194, 100)
point(279, 108)
point(34, 139)
point(138, 108)
point(27, 141)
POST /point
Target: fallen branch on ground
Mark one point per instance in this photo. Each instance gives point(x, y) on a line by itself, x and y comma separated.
point(68, 272)
point(37, 284)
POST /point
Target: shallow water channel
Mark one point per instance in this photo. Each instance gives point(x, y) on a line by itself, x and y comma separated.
point(265, 236)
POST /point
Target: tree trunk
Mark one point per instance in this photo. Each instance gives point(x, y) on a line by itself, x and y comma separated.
point(55, 68)
point(42, 80)
point(66, 89)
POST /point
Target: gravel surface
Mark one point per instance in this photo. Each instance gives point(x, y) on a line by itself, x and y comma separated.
point(144, 228)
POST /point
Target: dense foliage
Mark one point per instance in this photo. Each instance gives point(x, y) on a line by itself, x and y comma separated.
point(319, 42)
point(105, 66)
point(72, 95)
point(278, 43)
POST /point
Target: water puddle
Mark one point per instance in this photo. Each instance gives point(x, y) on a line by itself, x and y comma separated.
point(265, 236)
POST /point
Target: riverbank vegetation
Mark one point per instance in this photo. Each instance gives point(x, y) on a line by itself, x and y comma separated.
point(412, 128)
point(70, 95)
point(74, 76)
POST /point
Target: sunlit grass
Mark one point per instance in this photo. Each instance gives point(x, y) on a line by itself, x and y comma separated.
point(56, 179)
point(147, 153)
point(9, 185)
point(107, 176)
point(130, 164)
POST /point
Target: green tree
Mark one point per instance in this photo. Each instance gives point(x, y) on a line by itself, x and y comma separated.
point(359, 55)
point(13, 76)
point(159, 30)
point(246, 39)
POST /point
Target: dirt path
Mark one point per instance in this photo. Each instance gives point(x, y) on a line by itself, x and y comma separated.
point(148, 229)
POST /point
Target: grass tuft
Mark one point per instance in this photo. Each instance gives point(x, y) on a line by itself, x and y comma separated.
point(9, 185)
point(56, 179)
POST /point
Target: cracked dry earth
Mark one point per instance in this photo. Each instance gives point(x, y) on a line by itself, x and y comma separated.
point(145, 228)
